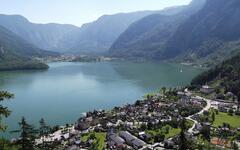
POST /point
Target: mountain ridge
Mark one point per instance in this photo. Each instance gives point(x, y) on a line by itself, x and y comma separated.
point(149, 34)
point(17, 54)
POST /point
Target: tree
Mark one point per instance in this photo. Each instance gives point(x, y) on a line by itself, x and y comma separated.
point(238, 98)
point(138, 103)
point(44, 130)
point(27, 135)
point(183, 144)
point(159, 138)
point(213, 116)
point(4, 112)
point(163, 90)
point(143, 127)
point(206, 133)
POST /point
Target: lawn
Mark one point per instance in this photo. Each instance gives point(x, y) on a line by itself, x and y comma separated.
point(171, 133)
point(234, 120)
point(100, 137)
point(85, 137)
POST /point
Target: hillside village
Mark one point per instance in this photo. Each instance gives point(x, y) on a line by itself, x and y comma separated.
point(156, 122)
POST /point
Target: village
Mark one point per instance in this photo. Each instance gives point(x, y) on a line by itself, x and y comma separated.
point(154, 123)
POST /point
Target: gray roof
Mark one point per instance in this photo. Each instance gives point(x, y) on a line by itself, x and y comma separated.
point(127, 136)
point(138, 143)
point(116, 139)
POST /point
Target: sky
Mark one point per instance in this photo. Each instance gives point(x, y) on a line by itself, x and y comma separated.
point(78, 12)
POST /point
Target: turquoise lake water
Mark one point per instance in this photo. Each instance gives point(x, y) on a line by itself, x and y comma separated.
point(61, 94)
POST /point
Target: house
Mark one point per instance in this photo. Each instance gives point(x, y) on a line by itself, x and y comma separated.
point(137, 144)
point(144, 136)
point(65, 136)
point(132, 140)
point(127, 136)
point(168, 144)
point(115, 141)
point(74, 147)
point(206, 89)
point(82, 125)
point(78, 142)
point(222, 108)
point(221, 142)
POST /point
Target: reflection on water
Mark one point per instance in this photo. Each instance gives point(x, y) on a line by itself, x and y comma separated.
point(66, 90)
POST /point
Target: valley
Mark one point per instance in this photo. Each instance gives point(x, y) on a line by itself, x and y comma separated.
point(143, 79)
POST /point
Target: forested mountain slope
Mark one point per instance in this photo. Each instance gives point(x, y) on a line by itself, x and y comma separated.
point(147, 36)
point(16, 53)
point(226, 74)
point(98, 36)
point(44, 36)
point(211, 31)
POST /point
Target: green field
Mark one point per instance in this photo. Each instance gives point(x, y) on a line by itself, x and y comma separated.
point(171, 133)
point(100, 137)
point(234, 120)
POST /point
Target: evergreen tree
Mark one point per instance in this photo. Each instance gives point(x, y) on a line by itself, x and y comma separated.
point(4, 112)
point(44, 130)
point(183, 144)
point(27, 135)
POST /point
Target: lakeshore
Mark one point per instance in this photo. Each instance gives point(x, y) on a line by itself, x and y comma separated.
point(149, 123)
point(100, 85)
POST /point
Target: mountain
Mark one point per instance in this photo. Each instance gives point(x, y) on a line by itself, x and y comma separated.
point(16, 53)
point(98, 36)
point(92, 38)
point(44, 36)
point(148, 35)
point(211, 33)
point(225, 76)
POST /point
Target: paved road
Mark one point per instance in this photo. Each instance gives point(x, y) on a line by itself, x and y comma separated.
point(206, 108)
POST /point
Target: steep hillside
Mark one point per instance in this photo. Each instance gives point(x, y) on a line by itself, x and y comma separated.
point(98, 36)
point(207, 32)
point(44, 36)
point(225, 74)
point(148, 35)
point(16, 53)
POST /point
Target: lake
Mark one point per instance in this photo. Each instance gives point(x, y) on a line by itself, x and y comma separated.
point(61, 94)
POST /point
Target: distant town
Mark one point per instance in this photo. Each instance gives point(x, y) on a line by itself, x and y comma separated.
point(74, 58)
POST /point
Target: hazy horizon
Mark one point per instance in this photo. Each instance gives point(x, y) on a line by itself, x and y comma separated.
point(79, 12)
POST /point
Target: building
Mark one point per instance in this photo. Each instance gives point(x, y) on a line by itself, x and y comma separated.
point(137, 144)
point(127, 137)
point(115, 141)
point(206, 89)
point(132, 140)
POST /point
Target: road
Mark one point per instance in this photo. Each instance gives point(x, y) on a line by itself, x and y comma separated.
point(206, 108)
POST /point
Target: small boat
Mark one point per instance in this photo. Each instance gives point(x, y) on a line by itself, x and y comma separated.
point(181, 70)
